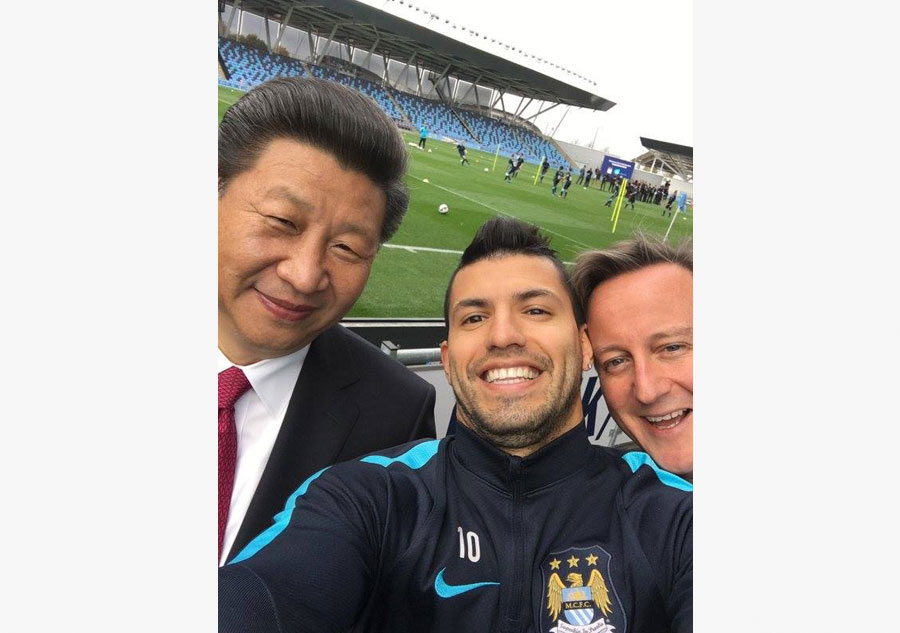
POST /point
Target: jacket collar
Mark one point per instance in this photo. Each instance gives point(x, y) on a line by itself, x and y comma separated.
point(557, 460)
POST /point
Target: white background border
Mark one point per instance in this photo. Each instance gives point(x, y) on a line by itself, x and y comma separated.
point(108, 245)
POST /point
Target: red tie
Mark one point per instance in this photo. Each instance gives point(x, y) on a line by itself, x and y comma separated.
point(232, 385)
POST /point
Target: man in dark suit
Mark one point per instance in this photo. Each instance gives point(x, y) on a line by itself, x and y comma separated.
point(310, 185)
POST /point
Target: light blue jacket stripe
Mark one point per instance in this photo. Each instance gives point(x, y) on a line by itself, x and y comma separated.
point(415, 458)
point(281, 521)
point(637, 459)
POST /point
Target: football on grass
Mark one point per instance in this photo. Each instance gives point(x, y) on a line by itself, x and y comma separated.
point(443, 208)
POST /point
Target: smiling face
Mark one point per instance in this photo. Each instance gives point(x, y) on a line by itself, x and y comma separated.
point(514, 354)
point(297, 236)
point(640, 326)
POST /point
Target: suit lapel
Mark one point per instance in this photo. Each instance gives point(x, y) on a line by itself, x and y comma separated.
point(318, 420)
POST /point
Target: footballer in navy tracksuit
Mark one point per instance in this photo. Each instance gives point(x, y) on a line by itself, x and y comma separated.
point(456, 535)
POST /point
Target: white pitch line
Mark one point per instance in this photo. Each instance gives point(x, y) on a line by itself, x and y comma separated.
point(416, 249)
point(544, 229)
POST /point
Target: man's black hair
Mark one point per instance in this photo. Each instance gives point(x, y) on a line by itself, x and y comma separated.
point(502, 237)
point(328, 116)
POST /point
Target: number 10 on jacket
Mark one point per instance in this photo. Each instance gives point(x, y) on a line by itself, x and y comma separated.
point(469, 546)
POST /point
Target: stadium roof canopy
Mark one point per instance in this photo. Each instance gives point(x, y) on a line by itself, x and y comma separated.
point(678, 159)
point(368, 28)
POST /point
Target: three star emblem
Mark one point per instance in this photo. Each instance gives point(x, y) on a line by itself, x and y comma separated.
point(573, 561)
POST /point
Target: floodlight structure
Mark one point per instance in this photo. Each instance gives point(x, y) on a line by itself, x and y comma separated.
point(358, 32)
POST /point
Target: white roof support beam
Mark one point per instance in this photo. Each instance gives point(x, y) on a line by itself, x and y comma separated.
point(319, 55)
point(675, 170)
point(385, 79)
point(561, 120)
point(667, 165)
point(283, 27)
point(371, 50)
point(312, 47)
point(534, 116)
point(234, 11)
point(266, 23)
point(443, 76)
point(521, 109)
point(405, 71)
point(446, 70)
point(474, 83)
point(435, 82)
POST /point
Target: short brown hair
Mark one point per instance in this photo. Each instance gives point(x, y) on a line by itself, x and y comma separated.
point(592, 268)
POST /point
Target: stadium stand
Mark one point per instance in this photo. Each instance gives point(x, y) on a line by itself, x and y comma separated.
point(247, 67)
point(364, 86)
point(512, 139)
point(441, 120)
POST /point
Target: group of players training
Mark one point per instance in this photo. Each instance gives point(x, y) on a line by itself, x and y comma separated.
point(516, 521)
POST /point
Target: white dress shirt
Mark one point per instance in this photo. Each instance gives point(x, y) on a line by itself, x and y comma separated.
point(258, 415)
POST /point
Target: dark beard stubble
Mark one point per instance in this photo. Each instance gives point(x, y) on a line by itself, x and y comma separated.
point(520, 428)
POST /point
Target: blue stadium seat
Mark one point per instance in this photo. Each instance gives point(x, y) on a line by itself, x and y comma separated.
point(249, 67)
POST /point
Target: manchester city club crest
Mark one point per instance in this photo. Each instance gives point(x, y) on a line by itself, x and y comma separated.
point(580, 597)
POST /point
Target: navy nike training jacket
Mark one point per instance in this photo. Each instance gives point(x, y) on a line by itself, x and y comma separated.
point(455, 535)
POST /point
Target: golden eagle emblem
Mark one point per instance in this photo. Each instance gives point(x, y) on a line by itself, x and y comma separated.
point(596, 585)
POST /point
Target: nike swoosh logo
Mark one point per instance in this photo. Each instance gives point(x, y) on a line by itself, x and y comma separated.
point(448, 591)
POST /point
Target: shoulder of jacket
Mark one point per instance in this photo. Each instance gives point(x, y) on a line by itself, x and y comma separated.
point(372, 360)
point(647, 487)
point(362, 474)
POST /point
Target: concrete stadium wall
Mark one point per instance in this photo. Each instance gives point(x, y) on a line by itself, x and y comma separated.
point(582, 155)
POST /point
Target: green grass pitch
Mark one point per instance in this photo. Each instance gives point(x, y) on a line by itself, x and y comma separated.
point(407, 282)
